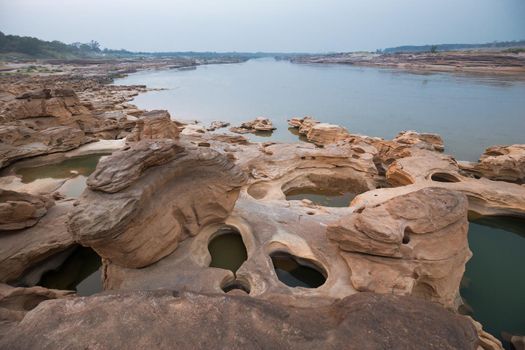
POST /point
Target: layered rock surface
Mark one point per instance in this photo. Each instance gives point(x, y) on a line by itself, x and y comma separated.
point(160, 187)
point(19, 210)
point(236, 322)
point(258, 124)
point(154, 125)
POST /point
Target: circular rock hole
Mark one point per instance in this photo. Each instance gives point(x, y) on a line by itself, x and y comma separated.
point(297, 272)
point(236, 286)
point(444, 177)
point(227, 249)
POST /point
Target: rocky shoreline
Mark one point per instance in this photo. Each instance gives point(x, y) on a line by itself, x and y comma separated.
point(391, 261)
point(483, 62)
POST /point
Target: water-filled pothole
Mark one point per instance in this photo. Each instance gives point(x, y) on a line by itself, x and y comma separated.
point(75, 169)
point(444, 177)
point(227, 249)
point(79, 272)
point(324, 197)
point(297, 272)
point(492, 286)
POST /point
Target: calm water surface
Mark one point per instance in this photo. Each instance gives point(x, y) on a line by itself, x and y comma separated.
point(470, 112)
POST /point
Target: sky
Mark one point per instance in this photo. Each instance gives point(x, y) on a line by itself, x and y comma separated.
point(265, 25)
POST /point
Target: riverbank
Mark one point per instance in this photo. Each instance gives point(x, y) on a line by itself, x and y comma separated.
point(482, 62)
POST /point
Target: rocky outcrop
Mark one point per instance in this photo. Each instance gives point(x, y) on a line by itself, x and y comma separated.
point(303, 125)
point(428, 141)
point(425, 168)
point(17, 142)
point(324, 134)
point(239, 322)
point(217, 125)
point(16, 302)
point(20, 210)
point(154, 125)
point(22, 249)
point(503, 163)
point(142, 201)
point(258, 124)
point(411, 244)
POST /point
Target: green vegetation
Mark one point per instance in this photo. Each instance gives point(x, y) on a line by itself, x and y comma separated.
point(27, 47)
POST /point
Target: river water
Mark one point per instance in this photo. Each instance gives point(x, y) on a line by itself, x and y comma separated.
point(470, 112)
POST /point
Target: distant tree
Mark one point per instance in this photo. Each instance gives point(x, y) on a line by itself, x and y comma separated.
point(433, 49)
point(95, 46)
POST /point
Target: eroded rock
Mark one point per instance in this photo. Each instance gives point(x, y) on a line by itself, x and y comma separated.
point(258, 124)
point(23, 249)
point(19, 210)
point(142, 201)
point(411, 244)
point(239, 322)
point(154, 125)
point(324, 134)
point(504, 163)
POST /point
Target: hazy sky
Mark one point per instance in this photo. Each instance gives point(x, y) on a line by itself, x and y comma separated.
point(264, 25)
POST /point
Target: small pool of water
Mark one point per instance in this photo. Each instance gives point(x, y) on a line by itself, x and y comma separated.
point(493, 286)
point(83, 165)
point(227, 250)
point(296, 272)
point(322, 197)
point(79, 272)
point(75, 169)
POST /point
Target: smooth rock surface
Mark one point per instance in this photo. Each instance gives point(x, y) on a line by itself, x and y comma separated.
point(167, 320)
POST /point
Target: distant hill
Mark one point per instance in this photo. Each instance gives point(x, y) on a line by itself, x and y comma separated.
point(498, 45)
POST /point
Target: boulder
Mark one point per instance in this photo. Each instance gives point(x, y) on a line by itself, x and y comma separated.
point(303, 125)
point(503, 163)
point(362, 321)
point(428, 141)
point(324, 134)
point(20, 210)
point(142, 201)
point(217, 125)
point(258, 124)
point(154, 125)
point(410, 244)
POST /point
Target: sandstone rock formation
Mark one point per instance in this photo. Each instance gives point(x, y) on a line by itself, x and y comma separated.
point(217, 125)
point(19, 210)
point(303, 125)
point(22, 249)
point(504, 163)
point(154, 125)
point(142, 201)
point(412, 244)
point(258, 124)
point(426, 168)
point(323, 134)
point(236, 322)
point(16, 302)
point(421, 140)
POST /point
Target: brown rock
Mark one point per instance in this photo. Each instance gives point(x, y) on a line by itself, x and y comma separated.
point(363, 321)
point(135, 214)
point(154, 125)
point(324, 134)
point(411, 244)
point(258, 124)
point(16, 302)
point(22, 249)
point(421, 140)
point(19, 210)
point(504, 163)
